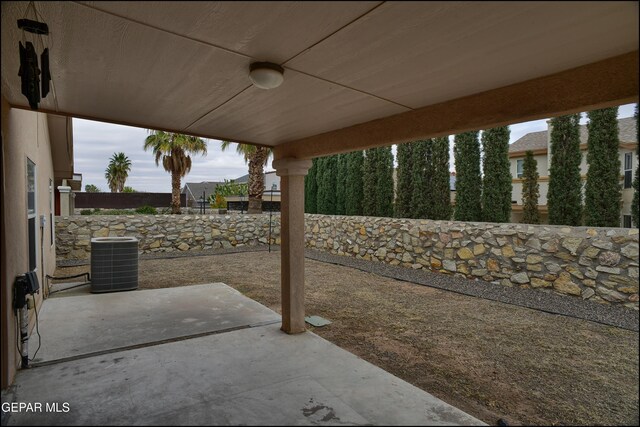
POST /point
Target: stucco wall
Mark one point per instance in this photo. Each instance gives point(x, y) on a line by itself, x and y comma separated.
point(591, 263)
point(24, 135)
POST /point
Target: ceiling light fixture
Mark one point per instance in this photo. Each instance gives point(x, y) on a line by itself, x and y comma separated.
point(266, 75)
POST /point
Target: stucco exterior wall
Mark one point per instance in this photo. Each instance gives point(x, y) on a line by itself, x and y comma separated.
point(24, 136)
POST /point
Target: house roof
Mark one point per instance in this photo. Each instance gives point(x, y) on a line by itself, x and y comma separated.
point(245, 178)
point(196, 188)
point(538, 140)
point(356, 74)
point(531, 141)
point(242, 179)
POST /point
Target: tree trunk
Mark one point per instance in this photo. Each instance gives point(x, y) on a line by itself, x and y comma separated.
point(175, 193)
point(256, 179)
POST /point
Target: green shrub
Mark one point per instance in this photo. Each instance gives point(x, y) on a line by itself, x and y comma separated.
point(86, 212)
point(147, 210)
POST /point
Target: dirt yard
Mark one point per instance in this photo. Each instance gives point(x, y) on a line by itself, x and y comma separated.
point(489, 359)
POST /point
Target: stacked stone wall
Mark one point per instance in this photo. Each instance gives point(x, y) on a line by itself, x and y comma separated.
point(164, 233)
point(597, 264)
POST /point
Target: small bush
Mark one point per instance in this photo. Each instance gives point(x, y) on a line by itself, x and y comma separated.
point(86, 212)
point(117, 212)
point(147, 210)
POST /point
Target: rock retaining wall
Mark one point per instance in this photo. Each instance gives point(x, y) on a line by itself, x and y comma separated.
point(598, 264)
point(164, 233)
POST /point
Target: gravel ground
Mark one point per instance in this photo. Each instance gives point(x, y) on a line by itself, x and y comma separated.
point(489, 358)
point(621, 317)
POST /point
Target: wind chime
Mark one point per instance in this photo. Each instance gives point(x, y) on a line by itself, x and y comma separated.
point(35, 81)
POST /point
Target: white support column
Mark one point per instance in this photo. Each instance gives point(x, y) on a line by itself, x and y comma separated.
point(292, 172)
point(65, 200)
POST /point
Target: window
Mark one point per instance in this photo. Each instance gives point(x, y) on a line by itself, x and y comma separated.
point(519, 168)
point(628, 170)
point(51, 209)
point(626, 221)
point(31, 213)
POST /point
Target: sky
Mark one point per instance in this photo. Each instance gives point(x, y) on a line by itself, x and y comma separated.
point(95, 142)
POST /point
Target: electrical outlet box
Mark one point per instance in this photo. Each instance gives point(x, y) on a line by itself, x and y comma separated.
point(43, 221)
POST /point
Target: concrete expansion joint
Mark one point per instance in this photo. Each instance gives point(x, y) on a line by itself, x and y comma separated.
point(151, 344)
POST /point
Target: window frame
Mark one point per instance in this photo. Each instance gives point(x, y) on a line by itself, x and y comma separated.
point(519, 165)
point(628, 171)
point(51, 211)
point(32, 216)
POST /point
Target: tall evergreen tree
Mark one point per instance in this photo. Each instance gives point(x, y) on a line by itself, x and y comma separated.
point(327, 185)
point(421, 177)
point(369, 182)
point(384, 184)
point(635, 205)
point(321, 197)
point(404, 179)
point(530, 190)
point(311, 189)
point(354, 194)
point(341, 184)
point(468, 178)
point(496, 182)
point(603, 192)
point(378, 182)
point(441, 195)
point(564, 197)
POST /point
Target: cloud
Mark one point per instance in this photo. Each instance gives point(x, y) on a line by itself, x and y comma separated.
point(95, 142)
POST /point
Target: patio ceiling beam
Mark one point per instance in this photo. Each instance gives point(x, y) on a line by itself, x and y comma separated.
point(601, 84)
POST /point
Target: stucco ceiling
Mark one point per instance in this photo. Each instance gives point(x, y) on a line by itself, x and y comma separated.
point(183, 66)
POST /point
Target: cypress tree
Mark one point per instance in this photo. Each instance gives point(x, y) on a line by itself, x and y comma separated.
point(341, 183)
point(496, 183)
point(378, 182)
point(468, 179)
point(635, 205)
point(384, 172)
point(311, 189)
point(441, 195)
point(321, 194)
point(421, 192)
point(330, 179)
point(564, 197)
point(369, 182)
point(404, 188)
point(327, 185)
point(354, 194)
point(530, 190)
point(603, 192)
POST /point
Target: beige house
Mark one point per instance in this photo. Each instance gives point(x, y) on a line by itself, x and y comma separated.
point(433, 69)
point(37, 161)
point(539, 143)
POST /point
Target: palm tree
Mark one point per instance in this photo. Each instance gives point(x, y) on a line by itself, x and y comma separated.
point(117, 171)
point(257, 157)
point(174, 149)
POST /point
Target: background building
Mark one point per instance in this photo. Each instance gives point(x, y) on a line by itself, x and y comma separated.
point(539, 143)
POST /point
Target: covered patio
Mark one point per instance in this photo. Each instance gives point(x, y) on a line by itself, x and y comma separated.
point(357, 75)
point(153, 357)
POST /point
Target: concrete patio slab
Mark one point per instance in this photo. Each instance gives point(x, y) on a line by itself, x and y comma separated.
point(248, 374)
point(78, 325)
point(256, 376)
